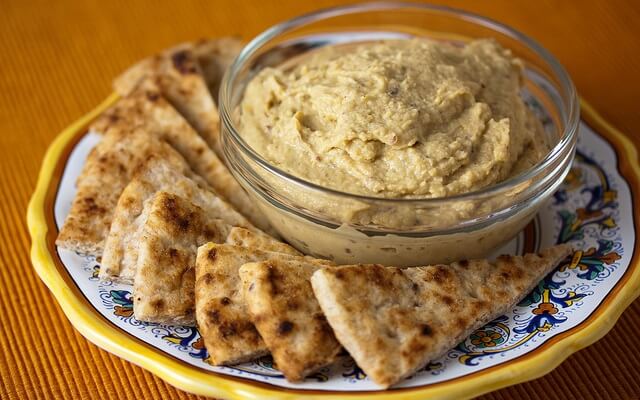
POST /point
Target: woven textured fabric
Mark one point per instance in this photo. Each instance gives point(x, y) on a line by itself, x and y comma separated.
point(57, 62)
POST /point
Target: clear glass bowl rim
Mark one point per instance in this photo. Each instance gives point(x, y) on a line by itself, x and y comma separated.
point(558, 151)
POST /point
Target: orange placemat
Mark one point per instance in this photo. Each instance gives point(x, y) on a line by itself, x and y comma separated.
point(57, 62)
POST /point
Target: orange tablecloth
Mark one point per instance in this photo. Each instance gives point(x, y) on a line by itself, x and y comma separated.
point(56, 63)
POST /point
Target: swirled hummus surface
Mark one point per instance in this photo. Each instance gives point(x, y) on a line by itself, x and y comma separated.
point(397, 118)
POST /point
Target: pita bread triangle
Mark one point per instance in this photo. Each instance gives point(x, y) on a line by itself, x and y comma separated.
point(108, 169)
point(145, 107)
point(393, 321)
point(173, 229)
point(179, 76)
point(281, 304)
point(221, 313)
point(165, 269)
point(121, 247)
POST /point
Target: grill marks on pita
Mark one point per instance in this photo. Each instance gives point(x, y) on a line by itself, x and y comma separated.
point(146, 107)
point(285, 312)
point(172, 230)
point(179, 77)
point(221, 312)
point(108, 169)
point(121, 248)
point(163, 288)
point(393, 321)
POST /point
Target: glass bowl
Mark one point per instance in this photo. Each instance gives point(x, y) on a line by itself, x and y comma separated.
point(350, 228)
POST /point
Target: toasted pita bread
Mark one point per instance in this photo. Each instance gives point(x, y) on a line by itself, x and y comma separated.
point(255, 240)
point(108, 169)
point(180, 79)
point(393, 321)
point(215, 56)
point(172, 230)
point(165, 271)
point(287, 316)
point(121, 247)
point(221, 314)
point(146, 107)
point(144, 70)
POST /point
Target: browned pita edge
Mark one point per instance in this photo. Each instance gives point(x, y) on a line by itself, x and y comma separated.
point(125, 83)
point(221, 315)
point(393, 321)
point(251, 239)
point(121, 247)
point(181, 82)
point(215, 56)
point(287, 316)
point(163, 289)
point(146, 107)
point(108, 169)
point(228, 334)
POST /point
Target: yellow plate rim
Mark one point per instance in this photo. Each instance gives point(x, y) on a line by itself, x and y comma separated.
point(191, 379)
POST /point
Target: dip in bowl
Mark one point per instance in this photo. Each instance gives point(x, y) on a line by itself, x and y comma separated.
point(428, 167)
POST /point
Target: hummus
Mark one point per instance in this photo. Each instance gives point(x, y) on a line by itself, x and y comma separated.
point(396, 118)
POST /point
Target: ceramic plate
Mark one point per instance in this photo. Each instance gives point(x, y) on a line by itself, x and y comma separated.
point(569, 309)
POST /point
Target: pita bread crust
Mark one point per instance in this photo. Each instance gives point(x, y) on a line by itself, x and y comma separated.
point(221, 313)
point(146, 107)
point(393, 321)
point(177, 73)
point(165, 272)
point(121, 247)
point(108, 169)
point(126, 82)
point(256, 240)
point(164, 280)
point(281, 304)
